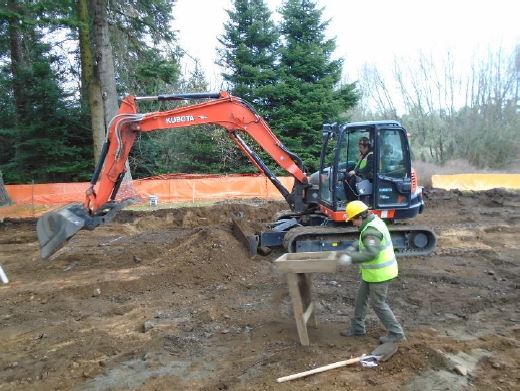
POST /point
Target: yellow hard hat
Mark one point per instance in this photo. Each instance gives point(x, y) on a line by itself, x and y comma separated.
point(354, 208)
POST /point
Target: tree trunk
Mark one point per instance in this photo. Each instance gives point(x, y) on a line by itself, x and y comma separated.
point(17, 61)
point(97, 70)
point(97, 117)
point(104, 70)
point(4, 196)
point(104, 58)
point(85, 52)
point(90, 89)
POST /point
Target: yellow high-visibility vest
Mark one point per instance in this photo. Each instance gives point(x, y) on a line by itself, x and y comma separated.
point(384, 267)
point(363, 162)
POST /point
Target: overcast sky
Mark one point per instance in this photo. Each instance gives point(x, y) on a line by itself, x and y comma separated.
point(370, 31)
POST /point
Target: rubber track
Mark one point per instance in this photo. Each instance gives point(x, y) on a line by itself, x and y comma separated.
point(300, 233)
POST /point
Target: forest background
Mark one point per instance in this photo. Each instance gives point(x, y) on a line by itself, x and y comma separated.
point(64, 65)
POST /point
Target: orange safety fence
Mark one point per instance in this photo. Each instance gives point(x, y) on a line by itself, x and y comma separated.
point(39, 198)
point(476, 182)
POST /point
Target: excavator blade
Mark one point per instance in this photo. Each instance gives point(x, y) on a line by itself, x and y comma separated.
point(56, 227)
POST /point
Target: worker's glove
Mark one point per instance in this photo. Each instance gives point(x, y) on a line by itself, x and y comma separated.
point(350, 250)
point(344, 260)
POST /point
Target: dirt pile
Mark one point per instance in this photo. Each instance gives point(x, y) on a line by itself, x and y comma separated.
point(170, 300)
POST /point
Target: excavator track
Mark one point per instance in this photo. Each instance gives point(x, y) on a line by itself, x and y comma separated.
point(409, 241)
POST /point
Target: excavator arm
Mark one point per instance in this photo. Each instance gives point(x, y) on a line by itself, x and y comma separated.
point(231, 113)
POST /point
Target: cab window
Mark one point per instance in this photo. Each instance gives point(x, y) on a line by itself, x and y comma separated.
point(391, 162)
point(349, 152)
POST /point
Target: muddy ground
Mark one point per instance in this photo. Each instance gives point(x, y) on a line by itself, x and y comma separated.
point(169, 300)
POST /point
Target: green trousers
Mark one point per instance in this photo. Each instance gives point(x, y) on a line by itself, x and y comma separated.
point(377, 293)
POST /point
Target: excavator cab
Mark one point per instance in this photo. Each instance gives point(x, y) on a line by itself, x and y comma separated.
point(388, 182)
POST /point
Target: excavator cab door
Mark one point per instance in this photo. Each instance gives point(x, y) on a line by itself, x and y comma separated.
point(393, 186)
point(340, 153)
point(327, 173)
point(348, 159)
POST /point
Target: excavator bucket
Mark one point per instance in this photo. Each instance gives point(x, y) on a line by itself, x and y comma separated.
point(56, 227)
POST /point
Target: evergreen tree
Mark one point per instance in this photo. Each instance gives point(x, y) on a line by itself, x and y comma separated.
point(307, 93)
point(248, 53)
point(44, 131)
point(146, 60)
point(7, 118)
point(146, 54)
point(36, 113)
point(197, 149)
point(52, 143)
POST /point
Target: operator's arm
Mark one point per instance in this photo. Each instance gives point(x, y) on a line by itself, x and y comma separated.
point(372, 240)
point(353, 170)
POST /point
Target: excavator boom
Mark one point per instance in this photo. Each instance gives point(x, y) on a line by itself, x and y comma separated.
point(232, 113)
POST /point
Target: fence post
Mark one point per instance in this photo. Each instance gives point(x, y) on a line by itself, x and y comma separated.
point(32, 197)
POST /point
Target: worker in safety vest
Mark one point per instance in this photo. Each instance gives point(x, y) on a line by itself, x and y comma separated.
point(362, 170)
point(378, 266)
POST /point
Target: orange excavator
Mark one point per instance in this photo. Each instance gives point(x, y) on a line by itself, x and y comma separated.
point(316, 219)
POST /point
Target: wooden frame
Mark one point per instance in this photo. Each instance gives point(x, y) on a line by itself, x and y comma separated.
point(299, 267)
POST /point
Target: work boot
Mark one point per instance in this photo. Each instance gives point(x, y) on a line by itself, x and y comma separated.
point(352, 333)
point(392, 338)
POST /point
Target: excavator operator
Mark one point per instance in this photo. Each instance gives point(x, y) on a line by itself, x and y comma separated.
point(362, 170)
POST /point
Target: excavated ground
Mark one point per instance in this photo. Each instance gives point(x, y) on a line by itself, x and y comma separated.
point(169, 300)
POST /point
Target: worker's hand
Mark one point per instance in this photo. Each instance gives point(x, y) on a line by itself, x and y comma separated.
point(345, 260)
point(350, 250)
point(350, 173)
